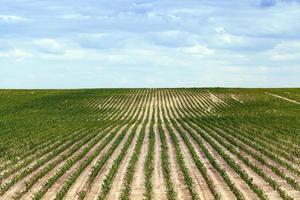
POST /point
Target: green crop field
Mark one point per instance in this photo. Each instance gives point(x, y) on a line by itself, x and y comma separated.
point(208, 143)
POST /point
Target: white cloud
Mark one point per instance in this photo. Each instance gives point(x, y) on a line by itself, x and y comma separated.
point(174, 38)
point(12, 18)
point(223, 39)
point(49, 46)
point(198, 49)
point(75, 16)
point(220, 30)
point(101, 40)
point(285, 56)
point(177, 39)
point(229, 39)
point(284, 51)
point(15, 54)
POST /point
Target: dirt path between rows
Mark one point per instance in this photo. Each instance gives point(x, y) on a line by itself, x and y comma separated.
point(175, 172)
point(97, 184)
point(200, 184)
point(117, 183)
point(20, 185)
point(39, 184)
point(159, 186)
point(138, 183)
point(295, 165)
point(201, 188)
point(240, 184)
point(264, 185)
point(138, 186)
point(83, 178)
point(218, 181)
point(34, 162)
point(32, 156)
point(50, 194)
point(281, 97)
point(267, 159)
point(258, 180)
point(235, 97)
point(202, 99)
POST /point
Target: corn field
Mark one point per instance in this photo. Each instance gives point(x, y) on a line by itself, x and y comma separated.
point(206, 143)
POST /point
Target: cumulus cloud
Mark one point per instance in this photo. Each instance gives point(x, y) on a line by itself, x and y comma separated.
point(102, 40)
point(133, 37)
point(222, 39)
point(285, 51)
point(11, 18)
point(75, 16)
point(174, 38)
point(15, 54)
point(198, 50)
point(49, 46)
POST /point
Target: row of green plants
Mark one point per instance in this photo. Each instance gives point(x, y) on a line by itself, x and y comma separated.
point(72, 178)
point(200, 165)
point(53, 164)
point(107, 182)
point(39, 150)
point(238, 194)
point(165, 163)
point(45, 154)
point(255, 155)
point(126, 186)
point(60, 173)
point(278, 116)
point(179, 156)
point(39, 163)
point(71, 161)
point(30, 125)
point(257, 144)
point(273, 183)
point(148, 166)
point(248, 163)
point(266, 150)
point(99, 165)
point(273, 140)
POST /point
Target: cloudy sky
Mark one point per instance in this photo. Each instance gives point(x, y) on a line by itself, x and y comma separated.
point(149, 43)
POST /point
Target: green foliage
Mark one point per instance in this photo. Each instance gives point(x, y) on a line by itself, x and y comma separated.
point(81, 129)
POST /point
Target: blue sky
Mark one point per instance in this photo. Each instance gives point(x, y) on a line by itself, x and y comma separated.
point(153, 43)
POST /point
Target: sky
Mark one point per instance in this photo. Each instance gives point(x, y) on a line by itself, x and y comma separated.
point(149, 43)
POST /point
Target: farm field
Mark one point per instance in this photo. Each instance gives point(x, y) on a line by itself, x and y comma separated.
point(192, 143)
